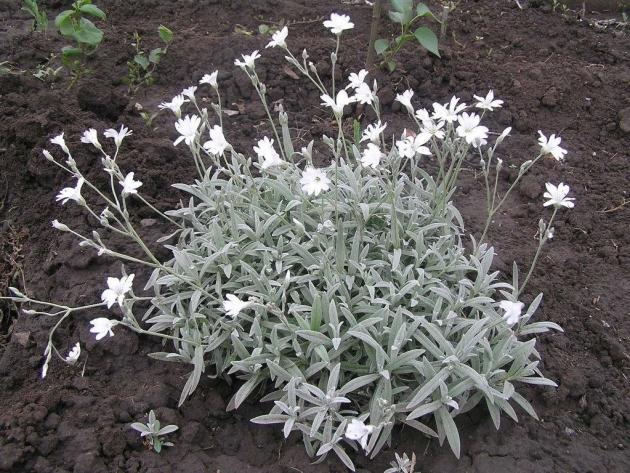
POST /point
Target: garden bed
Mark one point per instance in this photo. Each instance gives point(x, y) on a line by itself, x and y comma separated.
point(554, 74)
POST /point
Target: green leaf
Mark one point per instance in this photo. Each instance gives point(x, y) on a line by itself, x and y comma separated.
point(427, 39)
point(64, 24)
point(166, 35)
point(155, 55)
point(422, 10)
point(391, 66)
point(141, 60)
point(93, 10)
point(70, 52)
point(381, 45)
point(88, 33)
point(448, 424)
point(397, 17)
point(263, 29)
point(402, 5)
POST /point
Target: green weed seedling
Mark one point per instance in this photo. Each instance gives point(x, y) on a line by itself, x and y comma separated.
point(404, 13)
point(40, 19)
point(152, 431)
point(74, 24)
point(142, 67)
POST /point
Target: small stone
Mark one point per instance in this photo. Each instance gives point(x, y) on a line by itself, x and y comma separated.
point(550, 99)
point(148, 222)
point(624, 120)
point(22, 338)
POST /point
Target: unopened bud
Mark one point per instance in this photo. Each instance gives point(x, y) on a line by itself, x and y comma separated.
point(60, 226)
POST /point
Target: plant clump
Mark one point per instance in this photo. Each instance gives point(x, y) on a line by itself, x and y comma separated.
point(348, 293)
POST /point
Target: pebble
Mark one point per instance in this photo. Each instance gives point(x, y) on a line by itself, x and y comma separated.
point(624, 120)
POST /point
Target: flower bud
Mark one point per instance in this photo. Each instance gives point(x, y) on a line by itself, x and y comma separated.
point(499, 164)
point(304, 55)
point(333, 57)
point(312, 67)
point(503, 135)
point(525, 166)
point(60, 226)
point(541, 226)
point(47, 155)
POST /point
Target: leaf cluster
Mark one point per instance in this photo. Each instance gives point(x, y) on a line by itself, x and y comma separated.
point(75, 24)
point(40, 18)
point(142, 67)
point(404, 14)
point(152, 431)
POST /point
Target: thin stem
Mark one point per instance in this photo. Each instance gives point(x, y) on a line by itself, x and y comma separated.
point(542, 239)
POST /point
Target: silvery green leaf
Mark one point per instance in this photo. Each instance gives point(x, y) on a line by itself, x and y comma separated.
point(244, 391)
point(427, 389)
point(450, 429)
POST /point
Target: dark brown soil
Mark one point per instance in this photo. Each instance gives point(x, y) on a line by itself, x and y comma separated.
point(554, 74)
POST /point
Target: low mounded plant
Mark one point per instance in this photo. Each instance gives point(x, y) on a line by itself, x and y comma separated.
point(350, 294)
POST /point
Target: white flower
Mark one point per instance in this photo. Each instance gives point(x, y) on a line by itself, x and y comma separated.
point(190, 92)
point(356, 79)
point(373, 132)
point(363, 94)
point(267, 153)
point(118, 136)
point(60, 226)
point(512, 311)
point(470, 130)
point(71, 193)
point(91, 137)
point(409, 146)
point(117, 288)
point(558, 196)
point(448, 112)
point(337, 105)
point(217, 143)
point(551, 146)
point(432, 129)
point(550, 233)
point(187, 128)
point(371, 156)
point(210, 79)
point(338, 23)
point(102, 327)
point(405, 99)
point(487, 103)
point(233, 305)
point(422, 114)
point(279, 38)
point(174, 105)
point(357, 430)
point(314, 181)
point(74, 354)
point(248, 60)
point(59, 140)
point(129, 185)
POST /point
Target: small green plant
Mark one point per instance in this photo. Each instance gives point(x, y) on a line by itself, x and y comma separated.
point(402, 464)
point(40, 19)
point(152, 431)
point(404, 13)
point(142, 67)
point(75, 25)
